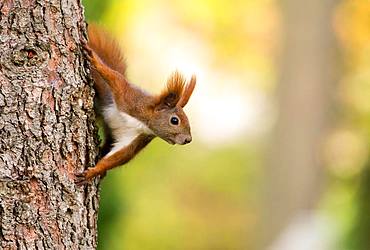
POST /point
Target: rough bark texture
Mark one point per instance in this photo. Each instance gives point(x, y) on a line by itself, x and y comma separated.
point(47, 127)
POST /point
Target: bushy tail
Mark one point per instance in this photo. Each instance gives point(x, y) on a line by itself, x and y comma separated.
point(107, 48)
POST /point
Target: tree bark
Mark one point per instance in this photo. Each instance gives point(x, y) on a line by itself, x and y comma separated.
point(47, 129)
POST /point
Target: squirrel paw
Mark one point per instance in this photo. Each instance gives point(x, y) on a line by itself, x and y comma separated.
point(84, 177)
point(81, 178)
point(88, 52)
point(93, 58)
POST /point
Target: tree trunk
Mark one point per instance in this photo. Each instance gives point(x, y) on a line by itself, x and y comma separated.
point(47, 131)
point(294, 173)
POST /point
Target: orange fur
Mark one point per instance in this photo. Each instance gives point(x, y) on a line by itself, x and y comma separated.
point(135, 117)
point(175, 84)
point(118, 158)
point(189, 88)
point(107, 48)
point(174, 90)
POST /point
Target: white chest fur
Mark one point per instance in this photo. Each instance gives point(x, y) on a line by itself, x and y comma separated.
point(125, 128)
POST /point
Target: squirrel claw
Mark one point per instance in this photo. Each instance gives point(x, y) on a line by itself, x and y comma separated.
point(87, 51)
point(85, 176)
point(81, 178)
point(91, 55)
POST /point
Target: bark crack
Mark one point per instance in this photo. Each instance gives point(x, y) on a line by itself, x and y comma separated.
point(47, 128)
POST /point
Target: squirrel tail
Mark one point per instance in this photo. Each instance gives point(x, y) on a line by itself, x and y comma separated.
point(109, 51)
point(107, 48)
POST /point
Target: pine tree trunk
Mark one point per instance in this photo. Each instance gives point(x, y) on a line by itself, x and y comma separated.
point(47, 131)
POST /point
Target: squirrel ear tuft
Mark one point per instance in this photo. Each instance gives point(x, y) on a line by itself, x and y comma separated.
point(172, 94)
point(187, 92)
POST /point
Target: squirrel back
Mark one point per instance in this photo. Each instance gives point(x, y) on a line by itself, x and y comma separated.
point(109, 51)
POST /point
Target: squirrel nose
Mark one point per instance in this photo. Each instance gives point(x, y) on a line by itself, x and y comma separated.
point(187, 140)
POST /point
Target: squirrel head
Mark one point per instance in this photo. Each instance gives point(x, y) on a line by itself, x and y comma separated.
point(169, 120)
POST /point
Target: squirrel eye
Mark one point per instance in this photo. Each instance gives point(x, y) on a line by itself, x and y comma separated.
point(174, 120)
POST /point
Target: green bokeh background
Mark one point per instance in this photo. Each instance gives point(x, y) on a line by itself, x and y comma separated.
point(204, 196)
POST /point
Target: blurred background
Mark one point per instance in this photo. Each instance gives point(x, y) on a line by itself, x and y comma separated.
point(280, 120)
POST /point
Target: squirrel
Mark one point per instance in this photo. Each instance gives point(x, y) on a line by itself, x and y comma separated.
point(132, 117)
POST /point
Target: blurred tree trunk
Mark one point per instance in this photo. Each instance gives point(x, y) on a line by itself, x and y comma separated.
point(294, 173)
point(47, 128)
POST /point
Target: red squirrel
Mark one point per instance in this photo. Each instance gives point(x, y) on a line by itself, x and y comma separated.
point(132, 117)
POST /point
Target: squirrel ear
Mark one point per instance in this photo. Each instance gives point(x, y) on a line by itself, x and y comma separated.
point(187, 92)
point(168, 101)
point(172, 94)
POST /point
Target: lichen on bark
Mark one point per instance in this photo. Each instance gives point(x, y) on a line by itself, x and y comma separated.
point(47, 129)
